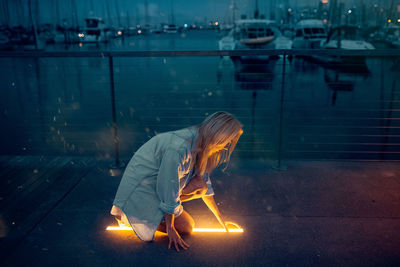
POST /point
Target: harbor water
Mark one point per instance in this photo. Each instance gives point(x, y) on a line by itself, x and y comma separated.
point(292, 108)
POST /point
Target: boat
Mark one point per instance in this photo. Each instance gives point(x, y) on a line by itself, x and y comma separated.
point(95, 31)
point(384, 37)
point(345, 37)
point(249, 34)
point(46, 33)
point(5, 43)
point(170, 28)
point(393, 35)
point(308, 34)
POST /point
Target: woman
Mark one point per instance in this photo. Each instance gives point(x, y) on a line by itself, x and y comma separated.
point(171, 168)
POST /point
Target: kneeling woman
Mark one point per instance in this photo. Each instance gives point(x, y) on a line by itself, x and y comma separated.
point(171, 168)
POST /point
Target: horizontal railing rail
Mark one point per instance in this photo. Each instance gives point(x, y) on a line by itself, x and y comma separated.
point(281, 83)
point(211, 53)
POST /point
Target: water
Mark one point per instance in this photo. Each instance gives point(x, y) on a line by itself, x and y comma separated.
point(63, 105)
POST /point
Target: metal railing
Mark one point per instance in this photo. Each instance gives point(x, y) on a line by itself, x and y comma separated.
point(110, 55)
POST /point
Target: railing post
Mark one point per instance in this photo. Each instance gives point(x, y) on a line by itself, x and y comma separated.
point(279, 165)
point(117, 163)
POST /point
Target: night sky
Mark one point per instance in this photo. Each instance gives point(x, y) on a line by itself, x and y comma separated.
point(159, 11)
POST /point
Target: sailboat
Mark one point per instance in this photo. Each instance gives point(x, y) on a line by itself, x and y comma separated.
point(255, 33)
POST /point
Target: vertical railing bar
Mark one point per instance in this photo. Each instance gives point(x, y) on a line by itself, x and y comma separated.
point(280, 166)
point(114, 115)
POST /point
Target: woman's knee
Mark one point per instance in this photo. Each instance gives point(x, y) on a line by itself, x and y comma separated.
point(184, 224)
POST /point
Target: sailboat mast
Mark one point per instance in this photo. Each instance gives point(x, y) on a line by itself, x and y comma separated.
point(172, 13)
point(146, 13)
point(33, 22)
point(118, 13)
point(256, 12)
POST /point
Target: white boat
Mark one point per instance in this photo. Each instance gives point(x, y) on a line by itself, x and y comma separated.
point(393, 35)
point(308, 34)
point(95, 31)
point(170, 28)
point(345, 38)
point(249, 34)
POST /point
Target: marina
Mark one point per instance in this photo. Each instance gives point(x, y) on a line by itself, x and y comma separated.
point(313, 181)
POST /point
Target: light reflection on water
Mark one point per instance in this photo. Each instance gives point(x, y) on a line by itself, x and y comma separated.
point(327, 113)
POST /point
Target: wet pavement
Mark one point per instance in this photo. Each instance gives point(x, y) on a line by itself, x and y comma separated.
point(315, 213)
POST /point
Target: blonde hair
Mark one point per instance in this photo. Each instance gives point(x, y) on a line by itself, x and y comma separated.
point(216, 129)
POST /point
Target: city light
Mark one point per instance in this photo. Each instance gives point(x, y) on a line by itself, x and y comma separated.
point(349, 11)
point(216, 23)
point(324, 1)
point(119, 32)
point(389, 20)
point(81, 35)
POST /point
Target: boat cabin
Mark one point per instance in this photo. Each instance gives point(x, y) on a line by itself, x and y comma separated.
point(310, 29)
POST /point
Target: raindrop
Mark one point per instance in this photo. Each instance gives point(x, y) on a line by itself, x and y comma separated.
point(45, 249)
point(13, 84)
point(147, 130)
point(157, 118)
point(35, 171)
point(59, 223)
point(54, 118)
point(210, 93)
point(165, 61)
point(24, 148)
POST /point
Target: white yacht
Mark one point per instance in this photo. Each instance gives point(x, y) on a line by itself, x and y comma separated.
point(249, 34)
point(308, 34)
point(170, 28)
point(393, 35)
point(345, 38)
point(95, 31)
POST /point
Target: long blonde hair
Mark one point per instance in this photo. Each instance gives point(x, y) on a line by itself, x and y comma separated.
point(216, 129)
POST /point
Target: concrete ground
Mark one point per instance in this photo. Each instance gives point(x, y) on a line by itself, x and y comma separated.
point(312, 214)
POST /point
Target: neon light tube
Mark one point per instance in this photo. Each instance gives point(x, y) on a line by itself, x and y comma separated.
point(203, 230)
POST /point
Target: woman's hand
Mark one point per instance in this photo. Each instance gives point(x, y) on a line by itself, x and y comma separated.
point(196, 185)
point(175, 239)
point(224, 222)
